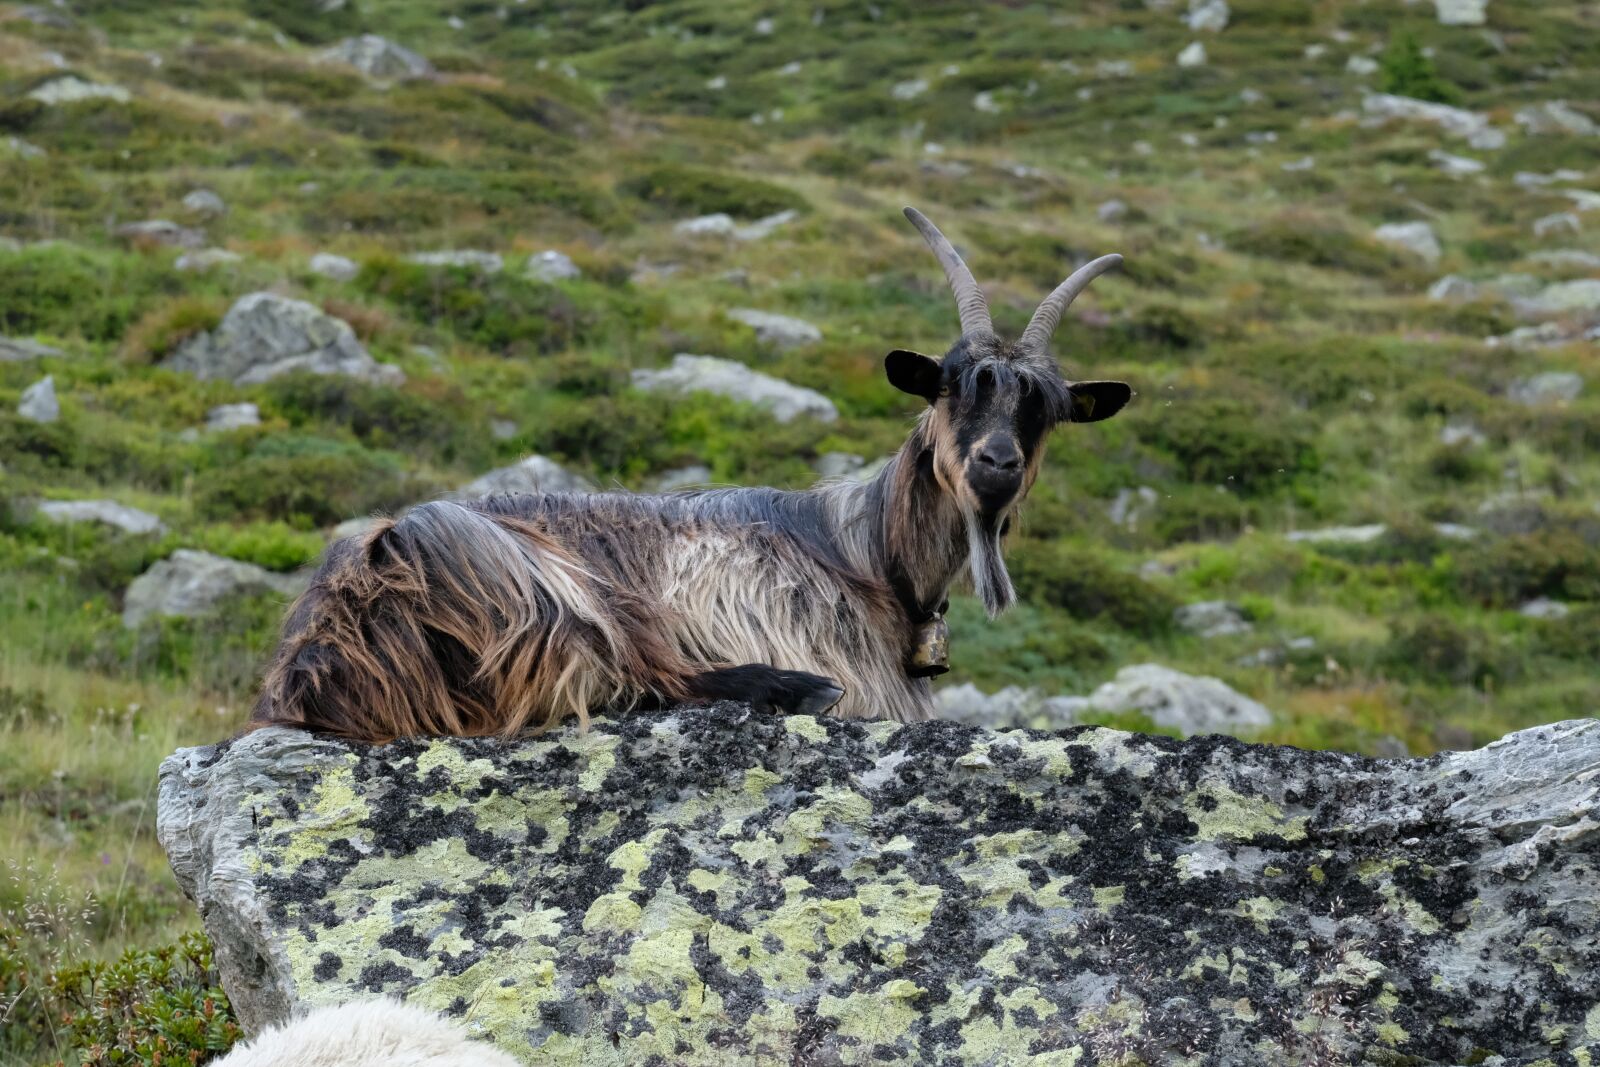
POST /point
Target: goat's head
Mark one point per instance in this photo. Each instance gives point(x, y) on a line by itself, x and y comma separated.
point(992, 404)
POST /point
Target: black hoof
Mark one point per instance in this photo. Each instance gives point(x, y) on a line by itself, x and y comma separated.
point(770, 689)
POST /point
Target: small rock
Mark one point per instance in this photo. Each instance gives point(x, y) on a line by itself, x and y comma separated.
point(1193, 55)
point(503, 429)
point(204, 202)
point(189, 583)
point(338, 268)
point(380, 59)
point(552, 266)
point(18, 349)
point(1415, 237)
point(1550, 387)
point(1545, 608)
point(161, 232)
point(205, 259)
point(1453, 288)
point(352, 528)
point(1010, 708)
point(1362, 65)
point(1527, 179)
point(1211, 618)
point(1304, 163)
point(70, 89)
point(1514, 286)
point(724, 377)
point(1338, 535)
point(780, 331)
point(265, 335)
point(232, 417)
point(764, 27)
point(1470, 125)
point(909, 90)
point(1207, 16)
point(1112, 211)
point(838, 464)
point(536, 474)
point(124, 518)
point(1461, 433)
point(1455, 166)
point(1461, 12)
point(39, 403)
point(1188, 703)
point(466, 258)
point(1455, 531)
point(1130, 506)
point(39, 15)
point(1560, 222)
point(680, 478)
point(1543, 335)
point(1554, 116)
point(22, 149)
point(717, 84)
point(1581, 294)
point(1568, 257)
point(718, 225)
point(764, 227)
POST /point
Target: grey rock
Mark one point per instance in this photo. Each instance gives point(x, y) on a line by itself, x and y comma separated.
point(1112, 211)
point(1417, 238)
point(127, 519)
point(1461, 433)
point(1581, 294)
point(265, 335)
point(233, 417)
point(1212, 618)
point(1471, 126)
point(379, 59)
point(205, 259)
point(552, 266)
point(1528, 179)
point(466, 258)
point(71, 89)
point(1193, 55)
point(1453, 288)
point(1011, 708)
point(1207, 16)
point(1544, 335)
point(338, 268)
point(838, 464)
point(41, 15)
point(722, 225)
point(352, 527)
point(724, 377)
point(1462, 12)
point(39, 403)
point(20, 349)
point(1362, 65)
point(681, 478)
point(204, 202)
point(21, 149)
point(1514, 286)
point(1549, 387)
point(503, 429)
point(162, 232)
point(1455, 166)
point(1554, 116)
point(1338, 535)
point(780, 331)
point(1558, 222)
point(1190, 704)
point(1568, 257)
point(189, 583)
point(536, 474)
point(910, 89)
point(1455, 531)
point(1130, 507)
point(1118, 873)
point(1545, 608)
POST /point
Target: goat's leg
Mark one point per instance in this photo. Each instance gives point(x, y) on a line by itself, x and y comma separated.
point(767, 688)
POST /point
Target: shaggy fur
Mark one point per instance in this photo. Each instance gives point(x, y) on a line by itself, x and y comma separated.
point(375, 1033)
point(509, 614)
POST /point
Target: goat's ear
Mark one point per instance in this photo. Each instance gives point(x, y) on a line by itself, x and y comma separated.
point(1093, 401)
point(914, 373)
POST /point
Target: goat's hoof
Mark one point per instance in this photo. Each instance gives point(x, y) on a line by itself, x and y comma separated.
point(799, 693)
point(820, 701)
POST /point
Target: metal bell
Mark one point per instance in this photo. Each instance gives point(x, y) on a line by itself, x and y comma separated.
point(930, 649)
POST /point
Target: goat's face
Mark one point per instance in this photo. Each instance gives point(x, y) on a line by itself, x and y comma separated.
point(992, 404)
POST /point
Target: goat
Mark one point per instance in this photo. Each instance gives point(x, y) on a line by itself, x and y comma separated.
point(509, 614)
point(367, 1033)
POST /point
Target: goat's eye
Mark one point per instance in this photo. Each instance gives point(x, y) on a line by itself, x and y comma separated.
point(944, 390)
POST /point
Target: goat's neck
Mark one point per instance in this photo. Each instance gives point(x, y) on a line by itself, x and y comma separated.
point(914, 526)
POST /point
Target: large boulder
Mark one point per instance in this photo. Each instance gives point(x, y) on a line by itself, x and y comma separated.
point(1191, 704)
point(536, 474)
point(1472, 126)
point(379, 59)
point(264, 335)
point(714, 886)
point(708, 374)
point(190, 583)
point(108, 512)
point(779, 331)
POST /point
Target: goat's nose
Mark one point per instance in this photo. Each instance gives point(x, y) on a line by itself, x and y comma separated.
point(1002, 456)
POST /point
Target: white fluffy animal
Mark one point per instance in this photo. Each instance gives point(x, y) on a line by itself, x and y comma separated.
point(370, 1033)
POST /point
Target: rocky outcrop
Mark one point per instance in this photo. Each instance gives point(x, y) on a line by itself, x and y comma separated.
point(1417, 238)
point(39, 402)
point(536, 474)
point(265, 335)
point(107, 512)
point(189, 583)
point(1472, 126)
point(708, 374)
point(779, 331)
point(716, 886)
point(379, 59)
point(71, 89)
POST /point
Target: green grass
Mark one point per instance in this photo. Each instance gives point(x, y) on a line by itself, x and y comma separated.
point(1291, 372)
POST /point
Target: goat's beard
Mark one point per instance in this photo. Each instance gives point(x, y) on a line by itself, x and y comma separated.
point(989, 578)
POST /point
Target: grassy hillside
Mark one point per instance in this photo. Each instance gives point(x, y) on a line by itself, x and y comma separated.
point(1292, 371)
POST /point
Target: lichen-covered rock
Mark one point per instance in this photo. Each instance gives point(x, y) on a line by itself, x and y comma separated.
point(536, 474)
point(190, 583)
point(708, 374)
point(379, 59)
point(265, 335)
point(712, 886)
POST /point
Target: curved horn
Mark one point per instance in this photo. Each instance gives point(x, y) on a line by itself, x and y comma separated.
point(970, 303)
point(1043, 325)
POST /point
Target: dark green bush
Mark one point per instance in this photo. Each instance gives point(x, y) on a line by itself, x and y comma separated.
point(312, 21)
point(379, 416)
point(687, 190)
point(1249, 442)
point(306, 489)
point(1317, 243)
point(1404, 70)
point(1563, 564)
point(1199, 513)
point(1438, 650)
point(1087, 587)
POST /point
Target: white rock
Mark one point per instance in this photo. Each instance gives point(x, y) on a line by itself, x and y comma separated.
point(1550, 387)
point(1009, 708)
point(1188, 703)
point(1114, 68)
point(1461, 12)
point(70, 89)
point(1454, 531)
point(352, 527)
point(162, 232)
point(1528, 179)
point(536, 474)
point(338, 268)
point(1469, 125)
point(764, 27)
point(19, 349)
point(724, 377)
point(1362, 65)
point(1581, 294)
point(265, 335)
point(189, 583)
point(780, 331)
point(1130, 506)
point(232, 417)
point(681, 478)
point(717, 84)
point(838, 464)
point(1461, 433)
point(1211, 618)
point(379, 59)
point(1568, 257)
point(1338, 535)
point(204, 202)
point(39, 403)
point(1415, 237)
point(1112, 211)
point(764, 226)
point(1542, 335)
point(552, 266)
point(1453, 288)
point(1545, 608)
point(1582, 199)
point(718, 225)
point(1207, 16)
point(124, 518)
point(205, 259)
point(1560, 222)
point(1455, 166)
point(909, 90)
point(468, 258)
point(22, 149)
point(985, 103)
point(1554, 116)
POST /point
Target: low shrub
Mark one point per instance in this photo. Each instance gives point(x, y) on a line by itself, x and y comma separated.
point(1439, 650)
point(685, 190)
point(160, 331)
point(305, 489)
point(1088, 587)
point(1561, 563)
point(1405, 70)
point(1252, 443)
point(1317, 243)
